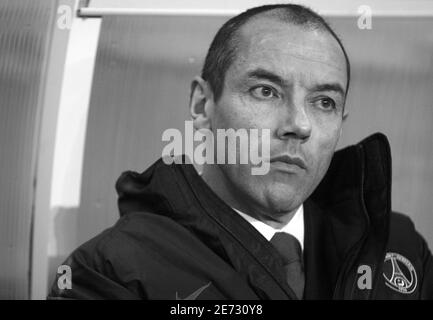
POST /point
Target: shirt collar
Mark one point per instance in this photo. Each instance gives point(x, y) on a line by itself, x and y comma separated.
point(295, 226)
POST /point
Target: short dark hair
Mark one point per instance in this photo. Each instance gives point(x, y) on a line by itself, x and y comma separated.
point(222, 50)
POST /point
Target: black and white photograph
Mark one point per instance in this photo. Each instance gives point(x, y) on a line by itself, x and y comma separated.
point(216, 150)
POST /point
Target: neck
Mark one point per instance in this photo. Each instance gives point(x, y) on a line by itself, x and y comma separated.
point(226, 191)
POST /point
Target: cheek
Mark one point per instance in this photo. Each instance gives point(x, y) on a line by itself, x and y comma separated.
point(325, 141)
point(228, 114)
point(327, 129)
point(238, 112)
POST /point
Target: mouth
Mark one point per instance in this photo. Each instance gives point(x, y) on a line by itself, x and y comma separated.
point(287, 161)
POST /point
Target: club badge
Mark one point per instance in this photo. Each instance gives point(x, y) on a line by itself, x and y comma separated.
point(399, 273)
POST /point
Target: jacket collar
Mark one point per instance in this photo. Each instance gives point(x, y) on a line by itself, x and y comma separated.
point(356, 191)
point(355, 199)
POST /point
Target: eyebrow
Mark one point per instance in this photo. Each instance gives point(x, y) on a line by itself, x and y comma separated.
point(264, 74)
point(330, 87)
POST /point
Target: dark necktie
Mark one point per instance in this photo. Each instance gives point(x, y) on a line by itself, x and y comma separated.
point(290, 249)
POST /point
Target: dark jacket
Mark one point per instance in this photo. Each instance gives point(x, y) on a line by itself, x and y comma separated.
point(177, 240)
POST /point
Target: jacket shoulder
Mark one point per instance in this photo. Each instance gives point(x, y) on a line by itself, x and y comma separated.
point(404, 240)
point(403, 235)
point(401, 219)
point(112, 264)
point(136, 258)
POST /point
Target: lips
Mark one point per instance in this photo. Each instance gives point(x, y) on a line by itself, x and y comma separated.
point(290, 160)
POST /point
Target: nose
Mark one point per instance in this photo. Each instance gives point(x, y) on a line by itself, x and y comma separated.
point(296, 124)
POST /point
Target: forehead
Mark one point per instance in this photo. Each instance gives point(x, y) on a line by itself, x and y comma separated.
point(289, 50)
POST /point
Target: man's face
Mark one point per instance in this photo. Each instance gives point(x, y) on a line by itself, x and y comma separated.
point(291, 81)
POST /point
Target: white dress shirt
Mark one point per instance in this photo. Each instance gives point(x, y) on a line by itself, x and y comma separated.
point(295, 227)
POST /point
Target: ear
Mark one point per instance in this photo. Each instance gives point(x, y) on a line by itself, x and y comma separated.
point(201, 103)
point(340, 132)
point(345, 113)
point(345, 116)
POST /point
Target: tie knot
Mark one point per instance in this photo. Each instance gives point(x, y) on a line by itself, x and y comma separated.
point(288, 247)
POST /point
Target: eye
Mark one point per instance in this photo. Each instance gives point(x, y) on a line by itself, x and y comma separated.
point(264, 92)
point(325, 103)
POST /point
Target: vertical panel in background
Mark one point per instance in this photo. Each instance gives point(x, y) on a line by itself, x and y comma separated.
point(24, 39)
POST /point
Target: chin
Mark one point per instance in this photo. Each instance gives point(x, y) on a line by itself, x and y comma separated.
point(284, 199)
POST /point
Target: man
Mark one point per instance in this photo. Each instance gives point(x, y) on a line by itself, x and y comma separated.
point(318, 225)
